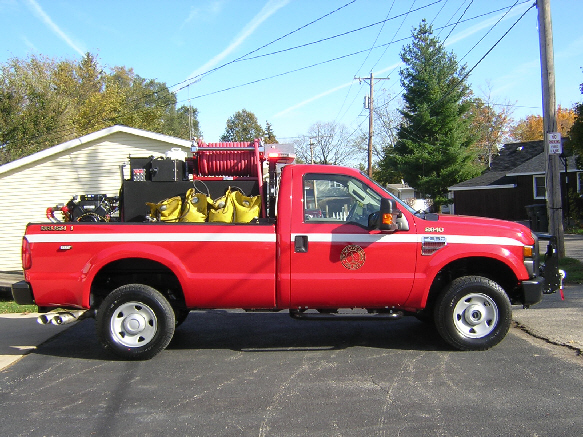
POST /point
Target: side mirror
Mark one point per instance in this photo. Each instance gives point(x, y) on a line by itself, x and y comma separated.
point(386, 218)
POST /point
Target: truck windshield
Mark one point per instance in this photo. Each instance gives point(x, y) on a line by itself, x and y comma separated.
point(389, 194)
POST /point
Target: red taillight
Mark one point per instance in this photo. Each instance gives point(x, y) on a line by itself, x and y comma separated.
point(26, 255)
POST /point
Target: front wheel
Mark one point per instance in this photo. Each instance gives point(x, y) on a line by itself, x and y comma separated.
point(135, 322)
point(473, 313)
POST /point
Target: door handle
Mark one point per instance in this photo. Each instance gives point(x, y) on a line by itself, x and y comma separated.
point(301, 244)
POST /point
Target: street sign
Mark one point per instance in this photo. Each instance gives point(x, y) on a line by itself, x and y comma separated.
point(554, 139)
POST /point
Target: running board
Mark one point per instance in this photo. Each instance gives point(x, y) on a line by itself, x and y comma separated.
point(304, 315)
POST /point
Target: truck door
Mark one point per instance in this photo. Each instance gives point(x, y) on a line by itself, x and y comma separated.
point(336, 260)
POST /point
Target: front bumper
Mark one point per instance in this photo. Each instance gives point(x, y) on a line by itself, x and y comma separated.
point(22, 293)
point(532, 290)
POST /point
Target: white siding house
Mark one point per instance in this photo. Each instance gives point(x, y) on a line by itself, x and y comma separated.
point(87, 165)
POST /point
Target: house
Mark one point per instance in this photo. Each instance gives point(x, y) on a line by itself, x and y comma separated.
point(515, 180)
point(408, 195)
point(91, 164)
point(403, 191)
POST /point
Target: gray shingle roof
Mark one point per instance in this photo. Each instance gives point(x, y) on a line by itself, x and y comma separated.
point(514, 159)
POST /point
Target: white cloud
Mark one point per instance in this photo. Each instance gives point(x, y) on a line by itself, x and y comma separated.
point(204, 13)
point(311, 99)
point(29, 44)
point(269, 9)
point(40, 13)
point(330, 91)
point(486, 23)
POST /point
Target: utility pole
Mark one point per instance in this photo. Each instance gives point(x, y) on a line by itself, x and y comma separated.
point(553, 175)
point(370, 116)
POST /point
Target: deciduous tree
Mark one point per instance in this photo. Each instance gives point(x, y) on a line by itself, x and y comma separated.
point(324, 143)
point(530, 128)
point(44, 102)
point(491, 124)
point(242, 126)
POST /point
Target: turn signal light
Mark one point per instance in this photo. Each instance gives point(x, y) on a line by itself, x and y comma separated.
point(527, 251)
point(387, 219)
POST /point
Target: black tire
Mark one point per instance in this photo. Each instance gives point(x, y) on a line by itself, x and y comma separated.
point(425, 316)
point(473, 313)
point(135, 322)
point(180, 315)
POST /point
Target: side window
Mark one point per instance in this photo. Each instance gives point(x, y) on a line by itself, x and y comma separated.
point(539, 187)
point(338, 198)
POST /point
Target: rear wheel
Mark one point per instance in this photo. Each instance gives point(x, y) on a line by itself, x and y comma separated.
point(473, 313)
point(135, 322)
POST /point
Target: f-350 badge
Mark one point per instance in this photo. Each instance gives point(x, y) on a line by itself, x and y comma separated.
point(352, 257)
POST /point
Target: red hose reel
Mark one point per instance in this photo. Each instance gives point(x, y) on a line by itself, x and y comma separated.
point(236, 160)
point(241, 159)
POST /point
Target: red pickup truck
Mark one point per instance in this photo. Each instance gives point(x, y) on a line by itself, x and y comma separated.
point(338, 246)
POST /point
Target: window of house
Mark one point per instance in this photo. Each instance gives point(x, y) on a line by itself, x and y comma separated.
point(579, 182)
point(539, 187)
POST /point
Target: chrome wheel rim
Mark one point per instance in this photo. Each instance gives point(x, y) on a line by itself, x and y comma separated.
point(133, 324)
point(475, 315)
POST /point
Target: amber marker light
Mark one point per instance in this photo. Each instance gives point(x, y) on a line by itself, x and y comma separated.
point(387, 219)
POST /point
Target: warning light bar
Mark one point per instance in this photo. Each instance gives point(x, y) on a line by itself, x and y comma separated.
point(281, 158)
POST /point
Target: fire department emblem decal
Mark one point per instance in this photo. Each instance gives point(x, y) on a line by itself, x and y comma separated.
point(352, 257)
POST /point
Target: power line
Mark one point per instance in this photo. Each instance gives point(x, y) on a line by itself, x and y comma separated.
point(393, 38)
point(378, 35)
point(507, 9)
point(492, 48)
point(371, 107)
point(143, 98)
point(64, 133)
point(489, 30)
point(458, 21)
point(412, 135)
point(262, 47)
point(321, 40)
point(373, 44)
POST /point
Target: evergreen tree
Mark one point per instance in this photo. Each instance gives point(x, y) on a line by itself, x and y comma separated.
point(432, 151)
point(269, 137)
point(575, 143)
point(242, 126)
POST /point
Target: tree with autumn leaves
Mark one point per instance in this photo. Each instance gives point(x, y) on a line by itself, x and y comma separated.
point(531, 128)
point(44, 102)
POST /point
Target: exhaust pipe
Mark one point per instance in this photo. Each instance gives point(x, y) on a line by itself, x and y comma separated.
point(63, 317)
point(44, 319)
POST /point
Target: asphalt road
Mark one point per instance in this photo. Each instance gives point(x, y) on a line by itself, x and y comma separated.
point(233, 374)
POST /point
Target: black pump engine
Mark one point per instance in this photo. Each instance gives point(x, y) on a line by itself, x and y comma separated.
point(93, 208)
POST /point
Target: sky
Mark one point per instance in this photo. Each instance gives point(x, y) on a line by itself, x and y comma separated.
point(293, 63)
